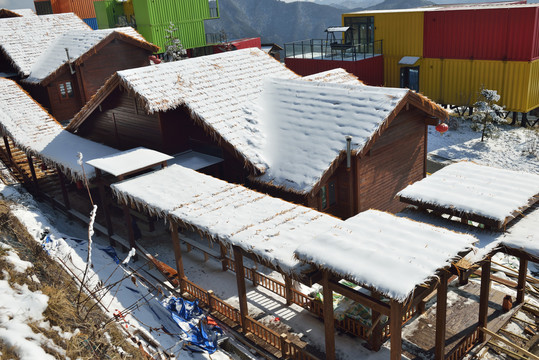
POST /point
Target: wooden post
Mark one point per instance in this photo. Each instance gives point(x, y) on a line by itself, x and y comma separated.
point(515, 118)
point(177, 254)
point(210, 297)
point(129, 224)
point(33, 171)
point(524, 122)
point(242, 293)
point(329, 321)
point(105, 206)
point(8, 148)
point(288, 289)
point(483, 298)
point(65, 195)
point(395, 328)
point(284, 347)
point(224, 260)
point(375, 339)
point(521, 287)
point(441, 318)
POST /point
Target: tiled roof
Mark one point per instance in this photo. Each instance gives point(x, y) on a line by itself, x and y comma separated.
point(24, 39)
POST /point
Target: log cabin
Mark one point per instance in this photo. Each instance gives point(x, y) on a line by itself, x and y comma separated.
point(23, 39)
point(271, 129)
point(77, 64)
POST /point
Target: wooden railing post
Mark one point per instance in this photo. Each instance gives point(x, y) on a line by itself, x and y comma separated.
point(395, 328)
point(329, 320)
point(284, 347)
point(441, 314)
point(210, 298)
point(242, 293)
point(33, 172)
point(8, 149)
point(178, 254)
point(65, 196)
point(375, 336)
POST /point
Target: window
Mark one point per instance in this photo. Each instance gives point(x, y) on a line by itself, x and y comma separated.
point(328, 195)
point(66, 90)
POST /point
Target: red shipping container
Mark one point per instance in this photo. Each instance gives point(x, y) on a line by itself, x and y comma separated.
point(509, 33)
point(370, 70)
point(238, 44)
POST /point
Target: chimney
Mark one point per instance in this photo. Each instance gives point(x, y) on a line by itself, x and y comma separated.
point(69, 62)
point(348, 152)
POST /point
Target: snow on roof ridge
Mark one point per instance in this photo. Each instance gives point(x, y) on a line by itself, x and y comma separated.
point(391, 254)
point(23, 39)
point(36, 132)
point(470, 188)
point(338, 75)
point(78, 43)
point(306, 124)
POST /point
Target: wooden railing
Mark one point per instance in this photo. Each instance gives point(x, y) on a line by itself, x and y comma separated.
point(464, 346)
point(278, 341)
point(264, 333)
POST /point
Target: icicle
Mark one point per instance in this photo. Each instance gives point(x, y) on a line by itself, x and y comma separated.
point(132, 253)
point(79, 159)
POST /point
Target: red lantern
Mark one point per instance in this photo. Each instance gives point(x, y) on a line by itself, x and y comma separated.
point(155, 59)
point(441, 128)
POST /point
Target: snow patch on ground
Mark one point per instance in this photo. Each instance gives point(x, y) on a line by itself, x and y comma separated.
point(514, 147)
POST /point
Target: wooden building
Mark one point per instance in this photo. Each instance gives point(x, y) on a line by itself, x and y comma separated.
point(212, 105)
point(23, 39)
point(64, 86)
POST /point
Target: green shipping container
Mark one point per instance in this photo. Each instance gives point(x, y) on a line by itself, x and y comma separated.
point(160, 12)
point(107, 13)
point(191, 34)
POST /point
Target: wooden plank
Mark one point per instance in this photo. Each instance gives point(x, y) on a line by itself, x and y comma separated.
point(242, 293)
point(364, 299)
point(497, 279)
point(395, 328)
point(520, 350)
point(441, 317)
point(329, 321)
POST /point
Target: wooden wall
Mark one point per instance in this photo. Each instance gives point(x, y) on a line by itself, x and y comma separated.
point(116, 55)
point(396, 159)
point(123, 124)
point(64, 109)
point(5, 64)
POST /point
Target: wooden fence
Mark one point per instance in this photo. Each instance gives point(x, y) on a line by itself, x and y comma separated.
point(464, 346)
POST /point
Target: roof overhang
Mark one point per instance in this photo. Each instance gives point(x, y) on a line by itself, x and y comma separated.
point(409, 60)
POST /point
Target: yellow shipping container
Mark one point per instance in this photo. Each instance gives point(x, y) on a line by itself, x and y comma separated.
point(401, 35)
point(458, 82)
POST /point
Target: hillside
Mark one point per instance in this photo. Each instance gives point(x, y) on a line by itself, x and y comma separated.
point(280, 22)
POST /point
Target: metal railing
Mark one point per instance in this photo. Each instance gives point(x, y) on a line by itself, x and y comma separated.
point(326, 50)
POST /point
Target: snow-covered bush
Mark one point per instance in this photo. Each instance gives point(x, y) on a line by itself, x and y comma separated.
point(487, 113)
point(173, 46)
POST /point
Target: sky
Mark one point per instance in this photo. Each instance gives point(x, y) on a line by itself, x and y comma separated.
point(17, 4)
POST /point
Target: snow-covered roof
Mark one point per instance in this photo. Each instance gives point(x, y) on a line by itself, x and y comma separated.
point(195, 160)
point(390, 254)
point(78, 43)
point(521, 235)
point(129, 161)
point(337, 28)
point(36, 132)
point(17, 12)
point(470, 189)
point(307, 122)
point(267, 227)
point(339, 76)
point(24, 39)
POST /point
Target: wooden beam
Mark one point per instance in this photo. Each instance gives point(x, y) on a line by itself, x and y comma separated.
point(8, 149)
point(521, 286)
point(395, 328)
point(33, 171)
point(518, 349)
point(105, 206)
point(177, 254)
point(65, 196)
point(364, 299)
point(441, 318)
point(483, 298)
point(242, 293)
point(329, 320)
point(375, 332)
point(288, 289)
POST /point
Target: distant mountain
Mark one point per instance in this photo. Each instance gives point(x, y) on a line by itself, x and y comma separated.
point(280, 22)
